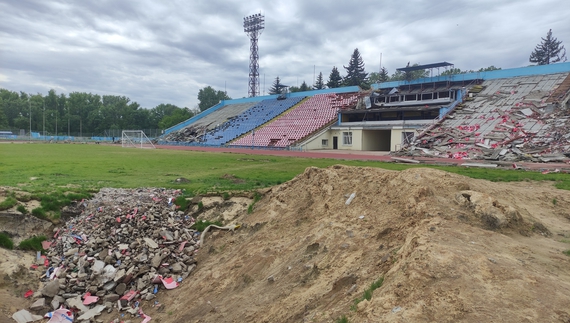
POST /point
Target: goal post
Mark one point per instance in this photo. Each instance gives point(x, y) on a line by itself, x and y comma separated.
point(135, 139)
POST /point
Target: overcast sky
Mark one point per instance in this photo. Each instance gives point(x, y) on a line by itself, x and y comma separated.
point(165, 51)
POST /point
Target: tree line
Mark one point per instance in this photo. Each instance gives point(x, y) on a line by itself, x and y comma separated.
point(80, 112)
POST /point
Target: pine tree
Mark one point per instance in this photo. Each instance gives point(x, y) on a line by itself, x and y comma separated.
point(379, 77)
point(548, 51)
point(319, 84)
point(304, 87)
point(355, 74)
point(334, 79)
point(276, 87)
point(384, 77)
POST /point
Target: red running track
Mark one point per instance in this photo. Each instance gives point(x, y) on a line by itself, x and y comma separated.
point(366, 155)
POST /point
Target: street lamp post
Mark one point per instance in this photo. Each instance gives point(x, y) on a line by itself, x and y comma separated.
point(44, 121)
point(30, 107)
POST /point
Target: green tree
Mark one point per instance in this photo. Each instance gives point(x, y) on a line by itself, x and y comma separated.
point(408, 76)
point(276, 87)
point(319, 83)
point(548, 51)
point(304, 87)
point(379, 77)
point(294, 89)
point(178, 115)
point(355, 74)
point(209, 97)
point(3, 118)
point(453, 71)
point(486, 69)
point(334, 79)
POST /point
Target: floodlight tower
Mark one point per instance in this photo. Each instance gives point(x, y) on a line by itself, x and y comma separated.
point(253, 26)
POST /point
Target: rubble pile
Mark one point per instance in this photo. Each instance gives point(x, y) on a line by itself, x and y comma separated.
point(188, 134)
point(499, 128)
point(126, 245)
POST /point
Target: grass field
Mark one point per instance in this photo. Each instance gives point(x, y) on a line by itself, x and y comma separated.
point(41, 168)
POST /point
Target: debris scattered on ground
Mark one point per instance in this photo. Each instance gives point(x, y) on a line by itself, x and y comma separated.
point(124, 247)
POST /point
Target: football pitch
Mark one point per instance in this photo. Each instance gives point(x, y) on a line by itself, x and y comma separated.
point(42, 166)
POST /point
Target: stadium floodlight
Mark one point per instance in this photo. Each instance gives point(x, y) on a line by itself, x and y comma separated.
point(253, 25)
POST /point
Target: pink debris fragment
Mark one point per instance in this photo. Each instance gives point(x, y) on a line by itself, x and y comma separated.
point(182, 245)
point(61, 315)
point(46, 261)
point(129, 295)
point(88, 299)
point(29, 293)
point(169, 282)
point(144, 316)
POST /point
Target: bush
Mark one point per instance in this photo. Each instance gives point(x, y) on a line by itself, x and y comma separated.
point(226, 196)
point(22, 209)
point(567, 252)
point(39, 213)
point(8, 203)
point(6, 241)
point(33, 243)
point(200, 206)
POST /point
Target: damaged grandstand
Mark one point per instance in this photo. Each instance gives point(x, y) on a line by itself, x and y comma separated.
point(511, 115)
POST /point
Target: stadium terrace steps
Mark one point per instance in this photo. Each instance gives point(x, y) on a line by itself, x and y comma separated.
point(248, 120)
point(309, 116)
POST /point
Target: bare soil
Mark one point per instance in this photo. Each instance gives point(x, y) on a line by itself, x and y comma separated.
point(450, 249)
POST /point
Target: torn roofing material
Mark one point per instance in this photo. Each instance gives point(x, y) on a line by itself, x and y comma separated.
point(512, 113)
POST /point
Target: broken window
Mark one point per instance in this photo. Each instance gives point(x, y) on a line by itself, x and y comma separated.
point(347, 138)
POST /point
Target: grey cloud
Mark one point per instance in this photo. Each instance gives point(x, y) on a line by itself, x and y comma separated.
point(164, 52)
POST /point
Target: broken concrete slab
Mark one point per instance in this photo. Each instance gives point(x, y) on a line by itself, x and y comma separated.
point(481, 165)
point(24, 316)
point(405, 160)
point(92, 313)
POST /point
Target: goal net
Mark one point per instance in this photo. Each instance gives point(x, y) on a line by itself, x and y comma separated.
point(135, 139)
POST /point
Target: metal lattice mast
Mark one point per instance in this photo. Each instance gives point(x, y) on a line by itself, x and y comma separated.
point(253, 26)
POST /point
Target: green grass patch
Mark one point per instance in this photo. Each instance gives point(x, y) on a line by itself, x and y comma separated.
point(566, 252)
point(8, 203)
point(5, 241)
point(33, 243)
point(256, 198)
point(40, 213)
point(22, 209)
point(181, 202)
point(565, 241)
point(367, 295)
point(201, 225)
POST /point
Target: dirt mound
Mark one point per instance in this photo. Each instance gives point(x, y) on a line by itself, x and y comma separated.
point(449, 249)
